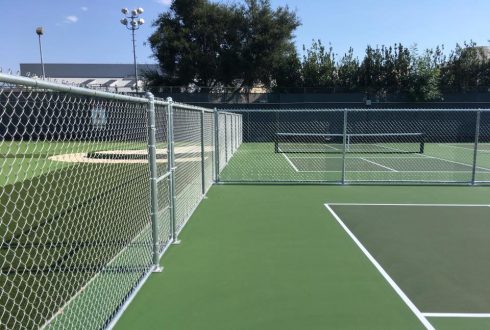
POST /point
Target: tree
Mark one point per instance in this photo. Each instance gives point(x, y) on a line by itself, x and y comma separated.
point(224, 45)
point(466, 68)
point(425, 77)
point(318, 67)
point(371, 70)
point(286, 70)
point(348, 71)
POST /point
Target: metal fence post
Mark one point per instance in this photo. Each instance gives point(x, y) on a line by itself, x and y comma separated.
point(216, 145)
point(152, 162)
point(203, 177)
point(475, 150)
point(171, 169)
point(344, 143)
point(226, 139)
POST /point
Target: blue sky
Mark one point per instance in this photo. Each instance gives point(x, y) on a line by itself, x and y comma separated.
point(88, 31)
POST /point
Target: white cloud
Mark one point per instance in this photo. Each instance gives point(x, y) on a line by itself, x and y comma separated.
point(84, 8)
point(164, 2)
point(71, 19)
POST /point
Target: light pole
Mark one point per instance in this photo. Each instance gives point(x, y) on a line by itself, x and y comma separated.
point(40, 32)
point(133, 23)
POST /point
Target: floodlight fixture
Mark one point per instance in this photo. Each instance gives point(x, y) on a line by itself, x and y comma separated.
point(133, 22)
point(40, 32)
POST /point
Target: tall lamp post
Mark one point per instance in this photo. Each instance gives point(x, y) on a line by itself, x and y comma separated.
point(40, 32)
point(133, 22)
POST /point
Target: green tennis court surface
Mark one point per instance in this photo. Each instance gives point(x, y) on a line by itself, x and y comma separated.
point(439, 162)
point(275, 257)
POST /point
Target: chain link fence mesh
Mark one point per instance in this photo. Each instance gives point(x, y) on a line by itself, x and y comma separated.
point(93, 189)
point(79, 230)
point(229, 136)
point(69, 237)
point(209, 148)
point(482, 147)
point(187, 138)
point(222, 141)
point(360, 146)
point(164, 192)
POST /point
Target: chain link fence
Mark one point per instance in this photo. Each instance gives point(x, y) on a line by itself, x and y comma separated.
point(418, 146)
point(94, 188)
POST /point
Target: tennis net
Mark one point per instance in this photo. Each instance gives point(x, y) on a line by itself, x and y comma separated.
point(386, 143)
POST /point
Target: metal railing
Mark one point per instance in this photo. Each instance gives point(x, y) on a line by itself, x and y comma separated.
point(94, 188)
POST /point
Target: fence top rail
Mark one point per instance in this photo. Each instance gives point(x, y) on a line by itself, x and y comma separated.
point(38, 83)
point(235, 111)
point(184, 106)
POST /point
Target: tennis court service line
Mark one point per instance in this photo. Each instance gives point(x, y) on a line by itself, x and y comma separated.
point(467, 315)
point(377, 164)
point(289, 160)
point(454, 162)
point(460, 147)
point(387, 277)
point(447, 160)
point(388, 148)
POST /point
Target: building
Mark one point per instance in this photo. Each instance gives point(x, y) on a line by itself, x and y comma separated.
point(110, 77)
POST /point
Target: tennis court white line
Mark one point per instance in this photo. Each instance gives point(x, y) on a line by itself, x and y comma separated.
point(387, 277)
point(459, 163)
point(422, 156)
point(435, 171)
point(331, 147)
point(390, 148)
point(410, 204)
point(452, 161)
point(386, 167)
point(353, 157)
point(447, 160)
point(469, 315)
point(459, 147)
point(288, 160)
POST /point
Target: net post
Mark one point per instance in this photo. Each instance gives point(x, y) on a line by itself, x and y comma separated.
point(475, 147)
point(171, 169)
point(216, 145)
point(152, 163)
point(344, 143)
point(203, 177)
